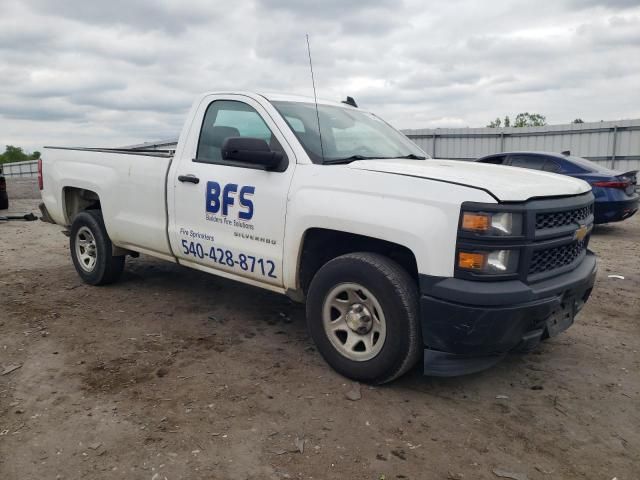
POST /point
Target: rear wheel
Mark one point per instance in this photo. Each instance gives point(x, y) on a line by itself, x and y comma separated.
point(91, 250)
point(362, 311)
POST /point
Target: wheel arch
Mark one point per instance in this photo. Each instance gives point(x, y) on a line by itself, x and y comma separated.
point(76, 200)
point(320, 245)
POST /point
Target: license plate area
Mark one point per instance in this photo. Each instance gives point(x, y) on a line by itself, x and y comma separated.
point(561, 317)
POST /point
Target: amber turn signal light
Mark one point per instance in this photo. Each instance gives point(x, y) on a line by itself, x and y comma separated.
point(477, 222)
point(471, 261)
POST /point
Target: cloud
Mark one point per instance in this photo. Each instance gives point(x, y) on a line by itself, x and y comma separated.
point(121, 72)
point(612, 4)
point(168, 16)
point(335, 10)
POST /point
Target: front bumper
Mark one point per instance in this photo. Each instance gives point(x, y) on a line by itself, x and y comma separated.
point(468, 326)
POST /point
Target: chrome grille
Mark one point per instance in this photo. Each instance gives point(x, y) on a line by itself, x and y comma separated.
point(560, 219)
point(556, 257)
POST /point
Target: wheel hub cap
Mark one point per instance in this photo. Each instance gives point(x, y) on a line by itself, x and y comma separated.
point(354, 322)
point(358, 319)
point(86, 249)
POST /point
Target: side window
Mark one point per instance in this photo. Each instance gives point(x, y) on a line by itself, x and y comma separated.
point(534, 162)
point(567, 166)
point(227, 118)
point(551, 166)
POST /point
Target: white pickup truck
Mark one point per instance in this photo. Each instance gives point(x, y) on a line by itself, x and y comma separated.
point(398, 256)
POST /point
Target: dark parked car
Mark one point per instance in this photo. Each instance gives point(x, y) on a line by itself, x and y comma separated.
point(615, 192)
point(4, 199)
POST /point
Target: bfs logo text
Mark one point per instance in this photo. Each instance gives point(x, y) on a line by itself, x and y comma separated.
point(222, 199)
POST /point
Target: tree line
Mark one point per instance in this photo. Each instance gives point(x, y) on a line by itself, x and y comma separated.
point(16, 154)
point(524, 119)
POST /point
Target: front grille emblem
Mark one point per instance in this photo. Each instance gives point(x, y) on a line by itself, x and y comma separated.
point(580, 233)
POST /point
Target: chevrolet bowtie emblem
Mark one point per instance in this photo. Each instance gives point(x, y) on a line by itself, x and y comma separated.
point(581, 233)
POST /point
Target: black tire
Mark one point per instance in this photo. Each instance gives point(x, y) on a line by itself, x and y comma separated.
point(107, 268)
point(397, 294)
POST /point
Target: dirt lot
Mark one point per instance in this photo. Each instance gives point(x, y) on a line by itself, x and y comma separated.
point(173, 373)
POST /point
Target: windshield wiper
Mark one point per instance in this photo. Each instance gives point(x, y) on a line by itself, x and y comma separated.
point(352, 158)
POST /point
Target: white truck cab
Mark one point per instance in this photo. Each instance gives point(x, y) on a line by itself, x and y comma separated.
point(398, 256)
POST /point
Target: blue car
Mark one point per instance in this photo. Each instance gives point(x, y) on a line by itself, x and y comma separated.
point(615, 192)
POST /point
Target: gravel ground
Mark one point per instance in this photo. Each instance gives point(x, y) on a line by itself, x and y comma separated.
point(172, 373)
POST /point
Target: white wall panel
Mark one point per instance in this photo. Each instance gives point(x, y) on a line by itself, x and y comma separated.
point(594, 141)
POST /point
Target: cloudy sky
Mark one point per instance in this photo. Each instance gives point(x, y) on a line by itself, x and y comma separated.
point(115, 72)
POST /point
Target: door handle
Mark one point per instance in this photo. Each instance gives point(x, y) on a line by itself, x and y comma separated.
point(189, 179)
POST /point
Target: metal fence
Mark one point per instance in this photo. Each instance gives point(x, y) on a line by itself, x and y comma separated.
point(614, 144)
point(20, 169)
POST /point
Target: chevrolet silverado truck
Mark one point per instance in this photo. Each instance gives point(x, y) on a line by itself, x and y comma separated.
point(398, 256)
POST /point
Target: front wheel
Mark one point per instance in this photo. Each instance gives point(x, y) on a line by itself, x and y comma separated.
point(362, 312)
point(91, 250)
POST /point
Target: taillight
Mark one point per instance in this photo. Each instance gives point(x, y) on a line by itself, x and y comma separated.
point(612, 184)
point(40, 182)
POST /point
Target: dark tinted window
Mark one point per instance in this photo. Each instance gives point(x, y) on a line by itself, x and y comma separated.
point(534, 162)
point(551, 166)
point(569, 167)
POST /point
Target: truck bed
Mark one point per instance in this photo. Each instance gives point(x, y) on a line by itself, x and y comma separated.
point(131, 186)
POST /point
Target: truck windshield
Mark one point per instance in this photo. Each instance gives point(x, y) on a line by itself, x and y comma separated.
point(347, 134)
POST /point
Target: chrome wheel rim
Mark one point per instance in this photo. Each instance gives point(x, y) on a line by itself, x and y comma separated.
point(354, 322)
point(86, 249)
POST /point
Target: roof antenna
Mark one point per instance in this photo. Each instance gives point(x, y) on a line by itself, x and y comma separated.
point(350, 101)
point(315, 97)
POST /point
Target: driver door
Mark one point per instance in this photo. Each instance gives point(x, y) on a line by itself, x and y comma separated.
point(229, 216)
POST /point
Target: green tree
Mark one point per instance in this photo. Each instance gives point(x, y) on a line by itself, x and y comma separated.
point(524, 119)
point(527, 119)
point(16, 154)
point(578, 120)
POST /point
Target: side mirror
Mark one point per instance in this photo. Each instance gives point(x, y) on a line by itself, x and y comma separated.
point(255, 151)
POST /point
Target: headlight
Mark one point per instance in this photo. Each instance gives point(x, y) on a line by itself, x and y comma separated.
point(495, 223)
point(494, 262)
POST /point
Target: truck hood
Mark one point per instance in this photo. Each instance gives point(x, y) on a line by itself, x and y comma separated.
point(507, 184)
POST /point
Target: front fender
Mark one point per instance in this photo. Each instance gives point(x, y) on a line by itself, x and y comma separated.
point(419, 214)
